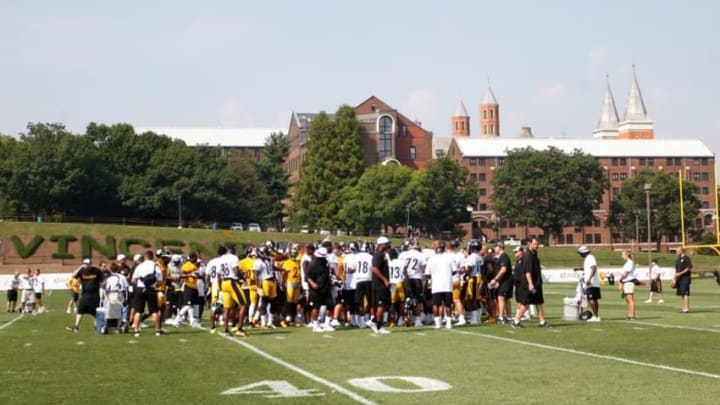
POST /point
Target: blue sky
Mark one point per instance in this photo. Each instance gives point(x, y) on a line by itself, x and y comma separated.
point(237, 63)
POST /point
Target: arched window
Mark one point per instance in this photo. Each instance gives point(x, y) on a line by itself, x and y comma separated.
point(385, 137)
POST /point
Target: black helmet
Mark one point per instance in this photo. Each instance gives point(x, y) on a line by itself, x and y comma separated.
point(474, 245)
point(393, 253)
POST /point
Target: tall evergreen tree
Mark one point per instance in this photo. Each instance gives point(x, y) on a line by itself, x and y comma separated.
point(271, 172)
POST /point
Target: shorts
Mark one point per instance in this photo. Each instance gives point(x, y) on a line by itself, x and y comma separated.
point(231, 293)
point(292, 295)
point(683, 287)
point(506, 288)
point(470, 290)
point(416, 288)
point(142, 298)
point(525, 297)
point(442, 298)
point(28, 297)
point(38, 296)
point(397, 293)
point(214, 290)
point(363, 291)
point(12, 295)
point(348, 299)
point(190, 296)
point(629, 288)
point(317, 299)
point(656, 286)
point(593, 293)
point(269, 289)
point(88, 304)
point(380, 296)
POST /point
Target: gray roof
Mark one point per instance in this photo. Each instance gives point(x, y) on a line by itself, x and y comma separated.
point(460, 110)
point(635, 110)
point(214, 136)
point(489, 97)
point(493, 147)
point(608, 116)
point(304, 119)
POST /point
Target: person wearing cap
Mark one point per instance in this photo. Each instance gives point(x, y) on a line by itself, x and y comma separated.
point(189, 298)
point(655, 282)
point(380, 292)
point(123, 267)
point(592, 281)
point(146, 293)
point(91, 280)
point(318, 278)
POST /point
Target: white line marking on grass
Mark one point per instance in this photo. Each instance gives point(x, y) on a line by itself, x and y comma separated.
point(660, 325)
point(597, 356)
point(11, 322)
point(80, 342)
point(338, 388)
point(420, 334)
point(637, 328)
point(28, 344)
point(328, 336)
point(280, 337)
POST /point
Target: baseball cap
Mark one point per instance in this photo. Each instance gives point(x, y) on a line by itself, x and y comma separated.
point(518, 249)
point(137, 257)
point(120, 257)
point(321, 252)
point(500, 244)
point(583, 250)
point(86, 260)
point(382, 240)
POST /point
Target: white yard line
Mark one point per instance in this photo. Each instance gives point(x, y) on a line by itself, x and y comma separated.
point(11, 322)
point(661, 325)
point(335, 387)
point(595, 355)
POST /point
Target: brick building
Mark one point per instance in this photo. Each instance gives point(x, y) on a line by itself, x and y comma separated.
point(623, 147)
point(386, 136)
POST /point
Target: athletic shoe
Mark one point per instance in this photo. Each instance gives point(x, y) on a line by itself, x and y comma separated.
point(213, 331)
point(661, 301)
point(334, 323)
point(240, 333)
point(271, 326)
point(392, 325)
point(228, 334)
point(545, 325)
point(136, 334)
point(73, 329)
point(317, 329)
point(160, 332)
point(372, 326)
point(68, 311)
point(516, 324)
point(383, 331)
point(630, 318)
point(195, 324)
point(685, 310)
point(418, 323)
point(234, 329)
point(448, 324)
point(327, 328)
point(461, 321)
point(648, 301)
point(594, 319)
point(283, 324)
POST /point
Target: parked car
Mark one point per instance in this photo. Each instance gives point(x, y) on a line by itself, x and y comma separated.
point(237, 226)
point(254, 227)
point(305, 229)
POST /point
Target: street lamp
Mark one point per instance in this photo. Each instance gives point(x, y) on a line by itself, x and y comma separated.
point(647, 188)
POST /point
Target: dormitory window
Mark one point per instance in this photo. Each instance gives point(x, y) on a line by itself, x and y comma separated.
point(696, 161)
point(501, 161)
point(413, 153)
point(482, 191)
point(481, 161)
point(481, 177)
point(623, 176)
point(385, 139)
point(473, 161)
point(473, 178)
point(615, 177)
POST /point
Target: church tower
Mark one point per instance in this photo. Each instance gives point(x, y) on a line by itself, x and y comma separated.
point(489, 115)
point(607, 125)
point(460, 121)
point(635, 123)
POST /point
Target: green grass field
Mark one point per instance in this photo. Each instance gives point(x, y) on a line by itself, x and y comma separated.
point(664, 357)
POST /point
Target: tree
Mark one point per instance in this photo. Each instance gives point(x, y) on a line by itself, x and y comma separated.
point(378, 199)
point(333, 164)
point(441, 194)
point(271, 172)
point(664, 206)
point(548, 189)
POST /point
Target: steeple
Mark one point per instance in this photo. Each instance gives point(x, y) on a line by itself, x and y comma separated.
point(460, 121)
point(635, 123)
point(607, 125)
point(489, 114)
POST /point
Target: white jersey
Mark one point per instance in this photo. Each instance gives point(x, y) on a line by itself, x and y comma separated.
point(362, 266)
point(629, 269)
point(304, 266)
point(201, 280)
point(414, 263)
point(175, 271)
point(39, 284)
point(472, 264)
point(263, 269)
point(440, 268)
point(457, 259)
point(655, 272)
point(350, 282)
point(229, 266)
point(213, 269)
point(116, 282)
point(588, 263)
point(428, 253)
point(145, 268)
point(27, 282)
point(396, 271)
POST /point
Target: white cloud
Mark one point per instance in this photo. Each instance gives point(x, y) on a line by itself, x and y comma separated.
point(234, 114)
point(422, 105)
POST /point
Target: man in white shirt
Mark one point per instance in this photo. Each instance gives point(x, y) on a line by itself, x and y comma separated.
point(414, 263)
point(592, 281)
point(39, 288)
point(655, 282)
point(440, 267)
point(145, 294)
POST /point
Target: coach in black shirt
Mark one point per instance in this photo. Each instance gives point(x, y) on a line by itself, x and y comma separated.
point(380, 283)
point(91, 279)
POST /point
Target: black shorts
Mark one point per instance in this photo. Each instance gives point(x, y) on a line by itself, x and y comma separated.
point(12, 295)
point(525, 297)
point(380, 296)
point(145, 297)
point(38, 296)
point(363, 289)
point(506, 288)
point(537, 298)
point(74, 296)
point(683, 287)
point(88, 304)
point(593, 293)
point(190, 296)
point(442, 298)
point(318, 299)
point(416, 289)
point(348, 298)
point(656, 286)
